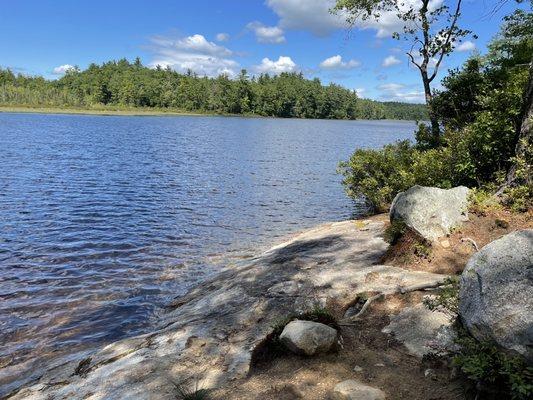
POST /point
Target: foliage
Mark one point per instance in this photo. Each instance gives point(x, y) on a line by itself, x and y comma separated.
point(520, 198)
point(480, 109)
point(485, 363)
point(378, 175)
point(124, 84)
point(446, 299)
point(481, 201)
point(395, 231)
point(422, 250)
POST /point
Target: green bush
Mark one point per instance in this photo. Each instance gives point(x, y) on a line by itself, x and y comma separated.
point(447, 298)
point(395, 231)
point(378, 175)
point(485, 363)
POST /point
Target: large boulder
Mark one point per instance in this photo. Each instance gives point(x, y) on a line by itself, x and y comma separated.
point(308, 337)
point(430, 211)
point(496, 295)
point(355, 390)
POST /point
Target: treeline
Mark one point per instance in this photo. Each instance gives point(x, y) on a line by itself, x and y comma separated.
point(125, 84)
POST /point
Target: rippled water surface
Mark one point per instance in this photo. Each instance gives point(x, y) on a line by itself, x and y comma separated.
point(103, 219)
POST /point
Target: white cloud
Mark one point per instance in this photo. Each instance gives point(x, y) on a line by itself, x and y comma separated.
point(360, 91)
point(267, 34)
point(466, 46)
point(391, 87)
point(222, 37)
point(193, 53)
point(314, 16)
point(284, 64)
point(390, 61)
point(336, 62)
point(400, 92)
point(309, 15)
point(63, 69)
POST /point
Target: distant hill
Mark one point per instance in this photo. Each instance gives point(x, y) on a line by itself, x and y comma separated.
point(126, 84)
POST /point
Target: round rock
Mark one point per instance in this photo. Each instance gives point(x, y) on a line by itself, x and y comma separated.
point(308, 337)
point(355, 390)
point(496, 294)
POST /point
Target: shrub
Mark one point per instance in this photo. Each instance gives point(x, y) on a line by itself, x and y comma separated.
point(395, 231)
point(422, 250)
point(446, 299)
point(520, 197)
point(481, 201)
point(487, 365)
point(470, 157)
point(377, 175)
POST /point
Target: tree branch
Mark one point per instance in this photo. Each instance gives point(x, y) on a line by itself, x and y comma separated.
point(447, 42)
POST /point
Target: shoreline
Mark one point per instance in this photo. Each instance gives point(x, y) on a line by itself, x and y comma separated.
point(102, 111)
point(221, 322)
point(155, 112)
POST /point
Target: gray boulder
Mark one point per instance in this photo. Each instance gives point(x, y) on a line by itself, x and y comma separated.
point(430, 211)
point(355, 390)
point(308, 338)
point(496, 294)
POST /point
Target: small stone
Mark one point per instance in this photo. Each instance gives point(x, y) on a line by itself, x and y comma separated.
point(430, 374)
point(380, 365)
point(445, 243)
point(355, 390)
point(308, 337)
point(357, 368)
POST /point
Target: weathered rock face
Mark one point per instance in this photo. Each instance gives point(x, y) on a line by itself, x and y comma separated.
point(422, 331)
point(308, 337)
point(430, 211)
point(355, 390)
point(496, 295)
point(210, 334)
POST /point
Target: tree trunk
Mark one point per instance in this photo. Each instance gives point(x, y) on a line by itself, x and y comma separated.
point(524, 136)
point(434, 121)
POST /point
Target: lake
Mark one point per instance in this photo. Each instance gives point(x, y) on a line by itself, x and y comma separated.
point(104, 219)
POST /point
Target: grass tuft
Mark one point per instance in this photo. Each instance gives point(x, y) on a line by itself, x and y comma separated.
point(184, 392)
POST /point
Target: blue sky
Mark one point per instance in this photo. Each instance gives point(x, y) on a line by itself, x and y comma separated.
point(211, 36)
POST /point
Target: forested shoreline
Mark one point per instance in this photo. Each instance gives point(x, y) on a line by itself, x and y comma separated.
point(124, 84)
